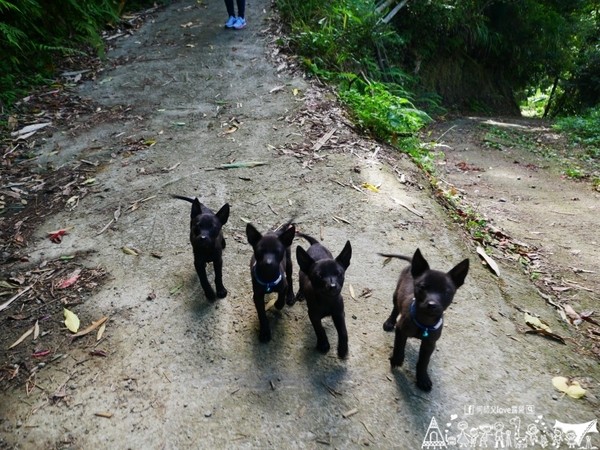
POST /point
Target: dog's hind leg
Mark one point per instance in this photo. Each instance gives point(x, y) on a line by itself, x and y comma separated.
point(390, 323)
point(290, 298)
point(281, 295)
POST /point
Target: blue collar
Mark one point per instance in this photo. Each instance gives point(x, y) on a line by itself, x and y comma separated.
point(269, 286)
point(426, 329)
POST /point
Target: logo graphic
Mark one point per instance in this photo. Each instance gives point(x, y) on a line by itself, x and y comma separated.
point(434, 439)
point(514, 434)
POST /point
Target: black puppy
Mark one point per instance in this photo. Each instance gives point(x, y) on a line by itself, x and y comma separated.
point(421, 297)
point(206, 237)
point(321, 281)
point(271, 270)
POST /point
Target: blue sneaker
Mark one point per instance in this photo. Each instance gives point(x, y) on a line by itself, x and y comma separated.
point(230, 22)
point(240, 23)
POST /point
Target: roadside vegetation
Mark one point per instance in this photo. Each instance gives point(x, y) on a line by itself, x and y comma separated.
point(35, 34)
point(396, 64)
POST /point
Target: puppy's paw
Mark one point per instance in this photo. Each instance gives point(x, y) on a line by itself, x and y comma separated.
point(342, 351)
point(280, 303)
point(424, 382)
point(210, 295)
point(300, 296)
point(291, 300)
point(323, 346)
point(221, 292)
point(396, 361)
point(264, 335)
point(388, 325)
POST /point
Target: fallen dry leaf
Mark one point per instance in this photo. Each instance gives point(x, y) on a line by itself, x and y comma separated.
point(56, 236)
point(41, 354)
point(100, 331)
point(574, 318)
point(535, 322)
point(539, 327)
point(70, 281)
point(370, 187)
point(91, 327)
point(570, 387)
point(349, 413)
point(129, 251)
point(489, 261)
point(71, 320)
point(22, 338)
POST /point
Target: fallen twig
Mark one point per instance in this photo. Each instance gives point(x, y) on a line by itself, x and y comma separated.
point(7, 303)
point(412, 210)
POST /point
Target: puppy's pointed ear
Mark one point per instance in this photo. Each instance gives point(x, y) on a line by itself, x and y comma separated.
point(196, 207)
point(419, 265)
point(252, 234)
point(287, 237)
point(343, 259)
point(305, 262)
point(459, 272)
point(223, 214)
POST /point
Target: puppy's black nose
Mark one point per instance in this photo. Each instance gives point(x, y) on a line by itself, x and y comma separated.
point(432, 305)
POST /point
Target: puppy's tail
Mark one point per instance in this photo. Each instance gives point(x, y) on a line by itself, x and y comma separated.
point(181, 197)
point(311, 240)
point(394, 255)
point(284, 226)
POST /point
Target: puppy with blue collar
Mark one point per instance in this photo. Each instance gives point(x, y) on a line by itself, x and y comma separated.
point(421, 297)
point(271, 270)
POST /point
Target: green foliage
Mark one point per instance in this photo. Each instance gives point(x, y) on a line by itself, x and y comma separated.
point(343, 36)
point(34, 33)
point(344, 42)
point(584, 129)
point(384, 114)
point(584, 132)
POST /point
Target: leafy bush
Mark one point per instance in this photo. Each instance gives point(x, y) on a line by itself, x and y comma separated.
point(584, 129)
point(344, 43)
point(384, 114)
point(33, 33)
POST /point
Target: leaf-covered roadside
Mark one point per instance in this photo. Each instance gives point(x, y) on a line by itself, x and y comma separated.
point(34, 295)
point(41, 292)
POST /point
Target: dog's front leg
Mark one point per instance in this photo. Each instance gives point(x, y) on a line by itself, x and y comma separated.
point(218, 265)
point(423, 381)
point(200, 266)
point(265, 330)
point(340, 326)
point(322, 341)
point(400, 338)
